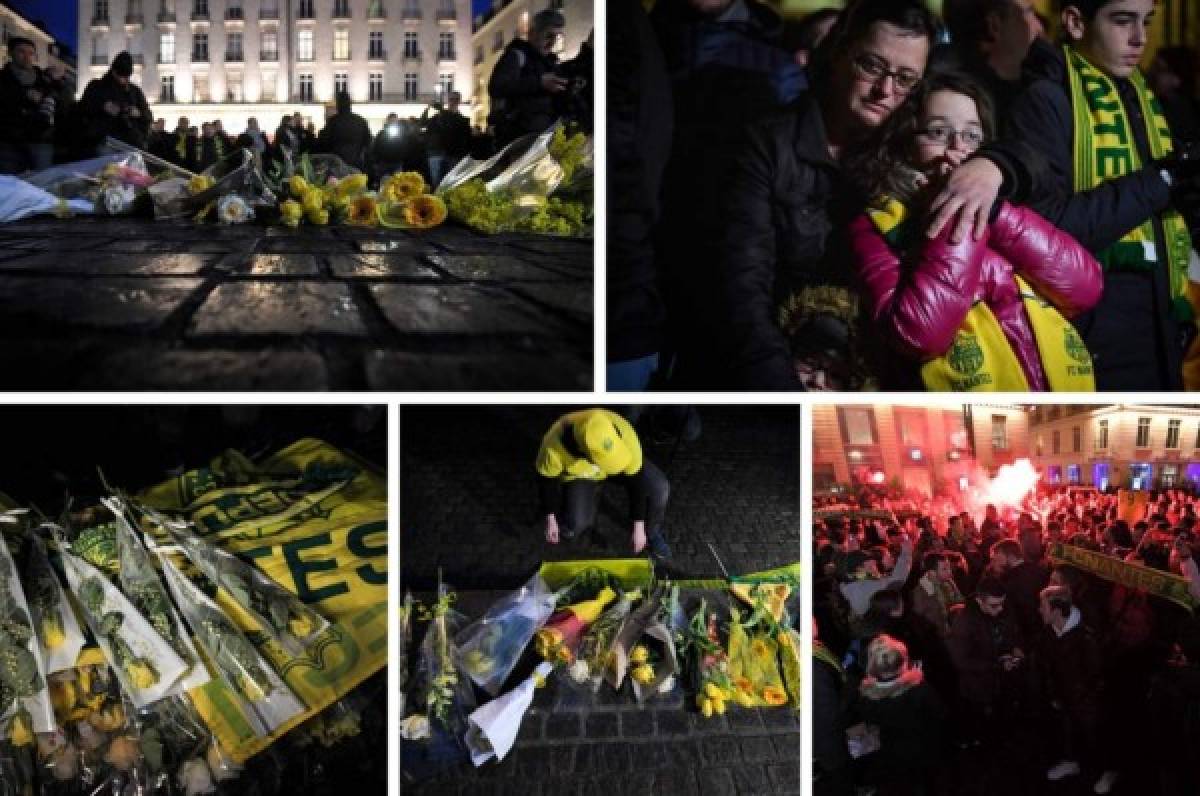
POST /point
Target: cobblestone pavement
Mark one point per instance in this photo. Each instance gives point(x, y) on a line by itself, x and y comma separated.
point(469, 497)
point(95, 303)
point(468, 505)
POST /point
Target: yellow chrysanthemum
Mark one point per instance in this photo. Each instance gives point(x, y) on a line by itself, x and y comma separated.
point(352, 186)
point(291, 212)
point(774, 696)
point(425, 212)
point(20, 731)
point(743, 684)
point(363, 211)
point(401, 186)
point(141, 674)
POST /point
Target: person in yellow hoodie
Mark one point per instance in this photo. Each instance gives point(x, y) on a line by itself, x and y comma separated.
point(580, 452)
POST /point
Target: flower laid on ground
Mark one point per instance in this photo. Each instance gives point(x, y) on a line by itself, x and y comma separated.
point(424, 212)
point(707, 665)
point(364, 211)
point(643, 673)
point(775, 696)
point(639, 654)
point(200, 183)
point(233, 209)
point(291, 212)
point(20, 729)
point(559, 639)
point(298, 186)
point(140, 671)
point(351, 187)
point(414, 727)
point(402, 186)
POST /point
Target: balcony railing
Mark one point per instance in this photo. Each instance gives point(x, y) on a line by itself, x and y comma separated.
point(413, 55)
point(133, 19)
point(411, 13)
point(447, 14)
point(447, 55)
point(200, 16)
point(377, 55)
point(165, 17)
point(99, 60)
point(376, 12)
point(100, 22)
point(343, 57)
point(199, 58)
point(341, 12)
point(268, 13)
point(268, 57)
point(234, 14)
point(234, 58)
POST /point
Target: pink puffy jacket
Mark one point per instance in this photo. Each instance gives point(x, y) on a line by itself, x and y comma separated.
point(922, 302)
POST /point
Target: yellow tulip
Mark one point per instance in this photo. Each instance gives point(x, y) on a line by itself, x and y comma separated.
point(589, 610)
point(639, 654)
point(291, 212)
point(141, 674)
point(712, 691)
point(298, 186)
point(352, 186)
point(719, 707)
point(52, 633)
point(317, 215)
point(20, 731)
point(643, 674)
point(313, 200)
point(706, 708)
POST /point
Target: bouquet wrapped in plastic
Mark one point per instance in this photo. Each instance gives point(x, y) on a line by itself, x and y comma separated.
point(753, 662)
point(25, 706)
point(277, 612)
point(645, 649)
point(264, 699)
point(489, 648)
point(406, 610)
point(20, 200)
point(707, 665)
point(538, 183)
point(58, 631)
point(560, 638)
point(597, 649)
point(235, 184)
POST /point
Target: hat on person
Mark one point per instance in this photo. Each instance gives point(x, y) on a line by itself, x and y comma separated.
point(598, 437)
point(16, 41)
point(122, 65)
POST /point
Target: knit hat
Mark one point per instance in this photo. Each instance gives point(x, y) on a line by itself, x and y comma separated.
point(122, 65)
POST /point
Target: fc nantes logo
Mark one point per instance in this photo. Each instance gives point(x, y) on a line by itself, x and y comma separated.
point(1076, 350)
point(965, 356)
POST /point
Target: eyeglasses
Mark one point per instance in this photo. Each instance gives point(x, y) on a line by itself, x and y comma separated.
point(875, 69)
point(945, 135)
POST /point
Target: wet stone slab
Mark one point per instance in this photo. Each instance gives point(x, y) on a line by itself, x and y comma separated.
point(269, 308)
point(572, 298)
point(104, 263)
point(458, 309)
point(274, 265)
point(132, 304)
point(371, 266)
point(491, 268)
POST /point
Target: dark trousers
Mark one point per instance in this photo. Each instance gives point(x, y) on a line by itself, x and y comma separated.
point(648, 492)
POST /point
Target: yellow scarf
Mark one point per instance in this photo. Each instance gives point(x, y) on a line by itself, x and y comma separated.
point(981, 359)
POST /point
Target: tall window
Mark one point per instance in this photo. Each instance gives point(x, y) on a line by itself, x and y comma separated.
point(166, 88)
point(1173, 433)
point(375, 87)
point(860, 430)
point(99, 50)
point(268, 87)
point(200, 47)
point(234, 89)
point(199, 8)
point(446, 10)
point(234, 10)
point(306, 88)
point(135, 10)
point(1143, 432)
point(166, 49)
point(498, 41)
point(305, 11)
point(269, 48)
point(233, 47)
point(410, 44)
point(341, 45)
point(341, 83)
point(446, 83)
point(268, 9)
point(375, 45)
point(100, 10)
point(375, 9)
point(410, 86)
point(1000, 433)
point(1102, 435)
point(1055, 443)
point(304, 45)
point(412, 9)
point(1076, 439)
point(446, 46)
point(341, 8)
point(200, 89)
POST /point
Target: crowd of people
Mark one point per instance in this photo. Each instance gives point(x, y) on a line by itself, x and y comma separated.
point(530, 89)
point(1054, 639)
point(881, 198)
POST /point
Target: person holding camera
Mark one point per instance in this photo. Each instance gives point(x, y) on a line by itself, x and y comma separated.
point(29, 96)
point(524, 83)
point(113, 106)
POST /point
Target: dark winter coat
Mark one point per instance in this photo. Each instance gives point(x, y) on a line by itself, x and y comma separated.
point(347, 136)
point(133, 119)
point(976, 643)
point(1134, 341)
point(520, 104)
point(26, 120)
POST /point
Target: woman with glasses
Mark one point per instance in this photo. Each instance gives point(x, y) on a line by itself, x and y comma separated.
point(977, 315)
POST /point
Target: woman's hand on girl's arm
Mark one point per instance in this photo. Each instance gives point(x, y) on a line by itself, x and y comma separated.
point(968, 195)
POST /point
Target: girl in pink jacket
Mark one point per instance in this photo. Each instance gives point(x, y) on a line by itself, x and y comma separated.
point(987, 314)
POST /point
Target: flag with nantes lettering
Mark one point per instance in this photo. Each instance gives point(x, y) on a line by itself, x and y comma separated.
point(314, 519)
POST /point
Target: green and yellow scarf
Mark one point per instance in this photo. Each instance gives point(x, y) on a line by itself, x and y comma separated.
point(1104, 149)
point(981, 359)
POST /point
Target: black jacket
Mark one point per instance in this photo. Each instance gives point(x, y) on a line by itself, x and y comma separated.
point(27, 120)
point(347, 136)
point(132, 122)
point(639, 143)
point(449, 133)
point(520, 104)
point(1134, 341)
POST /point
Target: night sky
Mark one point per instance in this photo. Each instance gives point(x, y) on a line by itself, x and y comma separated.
point(59, 16)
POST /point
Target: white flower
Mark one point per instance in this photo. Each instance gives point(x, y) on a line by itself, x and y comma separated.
point(195, 778)
point(667, 685)
point(233, 209)
point(414, 728)
point(117, 200)
point(579, 671)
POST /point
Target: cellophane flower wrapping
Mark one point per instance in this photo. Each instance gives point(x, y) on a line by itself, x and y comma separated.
point(539, 183)
point(24, 697)
point(444, 690)
point(490, 647)
point(144, 662)
point(265, 700)
point(279, 614)
point(139, 580)
point(20, 200)
point(754, 663)
point(645, 628)
point(59, 634)
point(598, 647)
point(559, 640)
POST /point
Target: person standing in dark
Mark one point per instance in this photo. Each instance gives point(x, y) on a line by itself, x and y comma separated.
point(387, 152)
point(346, 135)
point(989, 660)
point(112, 106)
point(287, 137)
point(1023, 582)
point(640, 119)
point(1173, 75)
point(159, 143)
point(29, 98)
point(990, 40)
point(575, 105)
point(207, 147)
point(727, 70)
point(523, 84)
point(448, 138)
